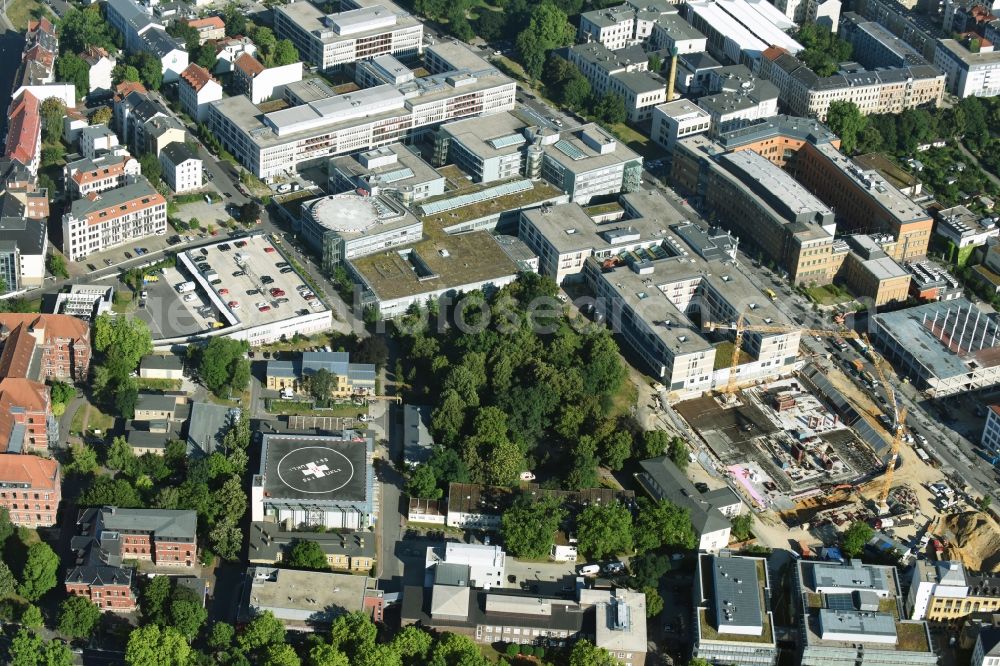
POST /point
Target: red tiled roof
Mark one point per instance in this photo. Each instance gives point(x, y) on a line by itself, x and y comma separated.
point(93, 54)
point(54, 325)
point(25, 393)
point(141, 202)
point(125, 87)
point(39, 472)
point(249, 65)
point(772, 52)
point(210, 22)
point(40, 55)
point(196, 76)
point(24, 128)
point(85, 176)
point(15, 358)
point(43, 24)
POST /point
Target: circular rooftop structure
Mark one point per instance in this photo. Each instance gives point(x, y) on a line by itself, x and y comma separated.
point(315, 470)
point(350, 213)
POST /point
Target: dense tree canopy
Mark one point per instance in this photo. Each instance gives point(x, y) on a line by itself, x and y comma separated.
point(856, 537)
point(78, 616)
point(824, 51)
point(529, 526)
point(80, 28)
point(305, 554)
point(39, 575)
point(547, 29)
point(604, 530)
point(223, 365)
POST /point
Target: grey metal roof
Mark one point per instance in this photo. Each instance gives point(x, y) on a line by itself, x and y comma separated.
point(269, 540)
point(166, 524)
point(27, 234)
point(156, 402)
point(417, 439)
point(853, 575)
point(207, 426)
point(856, 622)
point(179, 153)
point(155, 362)
point(735, 596)
point(678, 489)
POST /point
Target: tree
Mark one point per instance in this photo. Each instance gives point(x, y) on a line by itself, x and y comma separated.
point(101, 116)
point(31, 617)
point(846, 120)
point(617, 449)
point(585, 653)
point(224, 366)
point(250, 212)
point(282, 655)
point(121, 457)
point(654, 602)
point(154, 646)
point(324, 654)
point(39, 575)
point(284, 53)
point(105, 491)
point(205, 56)
point(71, 68)
point(123, 72)
point(547, 29)
point(353, 632)
point(678, 452)
point(603, 530)
point(83, 459)
point(423, 483)
point(151, 168)
point(304, 554)
point(236, 22)
point(185, 32)
point(321, 385)
point(52, 112)
point(80, 28)
point(154, 598)
point(654, 443)
point(856, 537)
point(458, 650)
point(149, 68)
point(220, 635)
point(6, 526)
point(123, 341)
point(25, 648)
point(610, 108)
point(8, 584)
point(647, 569)
point(742, 526)
point(78, 616)
point(187, 614)
point(984, 502)
point(529, 527)
point(663, 524)
point(490, 25)
point(372, 349)
point(226, 539)
point(56, 654)
point(263, 630)
point(412, 644)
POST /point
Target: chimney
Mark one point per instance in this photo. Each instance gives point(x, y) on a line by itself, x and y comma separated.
point(672, 78)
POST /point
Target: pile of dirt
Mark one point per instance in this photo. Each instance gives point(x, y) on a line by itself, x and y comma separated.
point(973, 538)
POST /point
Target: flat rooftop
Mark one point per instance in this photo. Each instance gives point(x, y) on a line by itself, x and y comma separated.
point(677, 28)
point(489, 136)
point(589, 148)
point(805, 129)
point(447, 262)
point(351, 24)
point(352, 215)
point(317, 468)
point(822, 576)
point(927, 332)
point(477, 200)
point(732, 608)
point(394, 165)
point(682, 110)
point(298, 595)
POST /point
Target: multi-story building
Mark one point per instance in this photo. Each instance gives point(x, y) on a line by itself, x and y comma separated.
point(651, 294)
point(144, 35)
point(460, 85)
point(739, 31)
point(346, 551)
point(676, 120)
point(964, 229)
point(944, 592)
point(968, 74)
point(876, 91)
point(161, 131)
point(487, 149)
point(210, 28)
point(673, 35)
point(60, 342)
point(261, 83)
point(97, 140)
point(24, 132)
point(85, 301)
point(709, 512)
point(623, 25)
point(991, 432)
point(870, 272)
point(625, 73)
point(986, 651)
point(396, 171)
point(802, 11)
point(485, 565)
point(197, 89)
point(24, 241)
point(101, 65)
point(30, 489)
point(349, 379)
point(733, 623)
point(853, 613)
point(112, 218)
point(106, 172)
point(301, 600)
point(26, 421)
point(590, 162)
point(930, 282)
point(182, 168)
point(229, 49)
point(362, 30)
point(760, 202)
point(737, 98)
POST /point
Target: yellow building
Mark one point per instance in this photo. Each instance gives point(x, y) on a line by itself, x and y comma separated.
point(945, 592)
point(345, 551)
point(349, 379)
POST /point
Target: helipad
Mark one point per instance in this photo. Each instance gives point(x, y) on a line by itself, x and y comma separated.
point(350, 213)
point(315, 469)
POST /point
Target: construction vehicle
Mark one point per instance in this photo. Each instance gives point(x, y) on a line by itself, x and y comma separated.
point(897, 431)
point(858, 365)
point(740, 327)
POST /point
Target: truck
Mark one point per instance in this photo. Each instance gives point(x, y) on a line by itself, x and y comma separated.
point(860, 345)
point(185, 287)
point(858, 365)
point(870, 378)
point(211, 275)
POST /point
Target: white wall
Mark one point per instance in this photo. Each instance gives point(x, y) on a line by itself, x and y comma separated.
point(265, 83)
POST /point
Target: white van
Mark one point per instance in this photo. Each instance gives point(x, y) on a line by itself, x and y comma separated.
point(590, 570)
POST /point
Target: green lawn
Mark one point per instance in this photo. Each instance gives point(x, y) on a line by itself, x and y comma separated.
point(97, 420)
point(158, 384)
point(636, 141)
point(19, 12)
point(298, 408)
point(829, 294)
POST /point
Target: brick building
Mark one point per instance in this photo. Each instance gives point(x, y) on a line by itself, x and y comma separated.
point(109, 535)
point(44, 346)
point(30, 489)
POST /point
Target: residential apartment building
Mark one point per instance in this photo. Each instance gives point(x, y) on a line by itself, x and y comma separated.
point(875, 91)
point(460, 85)
point(945, 592)
point(97, 140)
point(60, 342)
point(113, 218)
point(261, 83)
point(24, 132)
point(210, 28)
point(349, 379)
point(30, 489)
point(182, 168)
point(650, 292)
point(106, 172)
point(197, 89)
point(733, 623)
point(709, 512)
point(362, 30)
point(675, 120)
point(348, 551)
point(228, 50)
point(762, 204)
point(624, 73)
point(590, 162)
point(852, 613)
point(24, 239)
point(101, 66)
point(623, 25)
point(142, 34)
point(737, 98)
point(968, 74)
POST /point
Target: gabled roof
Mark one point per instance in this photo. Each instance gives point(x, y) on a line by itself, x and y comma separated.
point(166, 524)
point(178, 153)
point(24, 127)
point(196, 76)
point(94, 54)
point(248, 65)
point(97, 576)
point(54, 326)
point(18, 468)
point(208, 22)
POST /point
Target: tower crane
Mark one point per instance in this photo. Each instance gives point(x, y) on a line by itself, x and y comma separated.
point(897, 430)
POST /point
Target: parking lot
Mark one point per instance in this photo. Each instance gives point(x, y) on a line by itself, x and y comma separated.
point(166, 312)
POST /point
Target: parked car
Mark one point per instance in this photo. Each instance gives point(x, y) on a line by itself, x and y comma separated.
point(269, 249)
point(285, 270)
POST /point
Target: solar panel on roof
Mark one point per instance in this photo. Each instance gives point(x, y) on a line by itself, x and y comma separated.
point(398, 174)
point(570, 150)
point(507, 140)
point(844, 602)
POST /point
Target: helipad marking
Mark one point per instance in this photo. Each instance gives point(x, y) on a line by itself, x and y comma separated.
point(320, 467)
